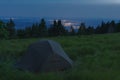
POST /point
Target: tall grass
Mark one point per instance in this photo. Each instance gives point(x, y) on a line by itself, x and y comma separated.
point(96, 57)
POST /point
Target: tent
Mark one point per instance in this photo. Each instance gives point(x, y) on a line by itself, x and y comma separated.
point(44, 56)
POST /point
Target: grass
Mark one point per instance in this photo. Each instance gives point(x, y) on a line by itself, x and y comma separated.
point(96, 57)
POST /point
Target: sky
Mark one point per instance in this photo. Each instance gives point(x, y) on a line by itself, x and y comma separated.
point(61, 8)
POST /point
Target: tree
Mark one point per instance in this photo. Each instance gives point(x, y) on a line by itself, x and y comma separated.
point(57, 29)
point(51, 31)
point(103, 28)
point(90, 30)
point(117, 28)
point(112, 26)
point(35, 30)
point(82, 29)
point(3, 32)
point(60, 28)
point(97, 30)
point(42, 28)
point(21, 33)
point(72, 31)
point(28, 32)
point(54, 28)
point(11, 28)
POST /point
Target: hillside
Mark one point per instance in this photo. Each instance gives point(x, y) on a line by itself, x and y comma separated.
point(96, 57)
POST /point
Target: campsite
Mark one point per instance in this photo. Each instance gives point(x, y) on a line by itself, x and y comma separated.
point(59, 39)
point(95, 57)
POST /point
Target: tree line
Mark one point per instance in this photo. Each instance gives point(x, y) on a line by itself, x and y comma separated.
point(9, 31)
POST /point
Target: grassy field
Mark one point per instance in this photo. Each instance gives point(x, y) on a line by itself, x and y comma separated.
point(96, 57)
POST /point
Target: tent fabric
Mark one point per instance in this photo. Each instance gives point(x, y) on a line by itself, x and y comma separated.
point(40, 54)
point(57, 49)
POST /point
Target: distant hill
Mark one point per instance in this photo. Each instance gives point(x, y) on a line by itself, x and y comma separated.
point(28, 21)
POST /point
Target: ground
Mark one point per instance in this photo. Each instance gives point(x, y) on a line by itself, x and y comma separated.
point(96, 57)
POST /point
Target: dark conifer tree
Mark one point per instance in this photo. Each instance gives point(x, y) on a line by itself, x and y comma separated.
point(21, 33)
point(28, 32)
point(57, 29)
point(90, 30)
point(60, 28)
point(43, 28)
point(11, 28)
point(72, 31)
point(82, 29)
point(97, 30)
point(35, 30)
point(3, 32)
point(107, 26)
point(112, 26)
point(102, 28)
point(117, 28)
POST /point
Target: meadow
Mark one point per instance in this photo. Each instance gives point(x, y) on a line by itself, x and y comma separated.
point(96, 57)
